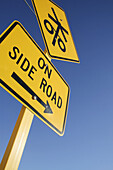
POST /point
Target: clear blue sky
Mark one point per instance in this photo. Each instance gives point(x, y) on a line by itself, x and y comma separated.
point(88, 140)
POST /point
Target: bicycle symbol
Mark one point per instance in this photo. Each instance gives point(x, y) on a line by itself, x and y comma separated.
point(51, 30)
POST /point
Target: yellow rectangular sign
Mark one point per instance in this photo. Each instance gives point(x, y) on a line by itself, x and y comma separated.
point(28, 75)
point(55, 30)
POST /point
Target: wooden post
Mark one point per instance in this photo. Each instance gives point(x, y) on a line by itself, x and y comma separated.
point(14, 150)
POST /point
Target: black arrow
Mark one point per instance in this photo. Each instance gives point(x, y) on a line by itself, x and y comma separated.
point(29, 90)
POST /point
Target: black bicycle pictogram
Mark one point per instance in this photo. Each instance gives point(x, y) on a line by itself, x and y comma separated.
point(51, 30)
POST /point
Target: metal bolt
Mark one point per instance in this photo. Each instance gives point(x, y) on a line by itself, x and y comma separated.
point(34, 97)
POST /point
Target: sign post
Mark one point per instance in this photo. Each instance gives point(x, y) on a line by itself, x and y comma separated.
point(15, 147)
point(32, 78)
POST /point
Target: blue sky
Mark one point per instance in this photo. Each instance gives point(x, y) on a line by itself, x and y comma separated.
point(88, 140)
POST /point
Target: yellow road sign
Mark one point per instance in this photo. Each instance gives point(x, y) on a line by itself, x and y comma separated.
point(55, 30)
point(28, 75)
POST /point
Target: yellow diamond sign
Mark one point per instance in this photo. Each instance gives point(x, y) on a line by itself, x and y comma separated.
point(55, 30)
point(28, 75)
